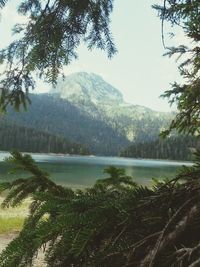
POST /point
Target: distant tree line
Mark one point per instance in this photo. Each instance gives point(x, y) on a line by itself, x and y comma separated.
point(175, 147)
point(26, 139)
point(62, 118)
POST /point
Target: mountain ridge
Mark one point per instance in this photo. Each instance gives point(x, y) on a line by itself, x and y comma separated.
point(114, 110)
point(98, 117)
point(65, 89)
point(87, 86)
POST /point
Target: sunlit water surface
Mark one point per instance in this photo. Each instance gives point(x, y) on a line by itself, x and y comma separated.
point(83, 171)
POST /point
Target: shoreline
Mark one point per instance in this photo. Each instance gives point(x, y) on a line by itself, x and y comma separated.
point(8, 234)
point(180, 162)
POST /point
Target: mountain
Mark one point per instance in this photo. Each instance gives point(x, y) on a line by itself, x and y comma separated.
point(83, 86)
point(100, 100)
point(87, 110)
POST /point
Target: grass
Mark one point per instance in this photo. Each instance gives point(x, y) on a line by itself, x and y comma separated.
point(12, 219)
point(12, 224)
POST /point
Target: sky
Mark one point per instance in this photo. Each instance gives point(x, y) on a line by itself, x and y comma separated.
point(139, 69)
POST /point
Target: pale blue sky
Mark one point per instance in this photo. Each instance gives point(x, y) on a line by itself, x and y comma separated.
point(139, 70)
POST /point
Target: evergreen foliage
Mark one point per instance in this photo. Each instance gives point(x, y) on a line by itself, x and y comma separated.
point(2, 3)
point(114, 223)
point(13, 136)
point(62, 118)
point(178, 147)
point(49, 40)
point(104, 133)
point(185, 14)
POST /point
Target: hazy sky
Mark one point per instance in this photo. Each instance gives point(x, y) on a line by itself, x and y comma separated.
point(139, 70)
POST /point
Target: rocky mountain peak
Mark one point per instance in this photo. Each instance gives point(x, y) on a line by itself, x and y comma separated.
point(83, 86)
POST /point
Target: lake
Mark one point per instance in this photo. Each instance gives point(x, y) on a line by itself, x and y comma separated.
point(83, 171)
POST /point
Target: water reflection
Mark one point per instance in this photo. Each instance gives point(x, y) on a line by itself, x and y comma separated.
point(83, 171)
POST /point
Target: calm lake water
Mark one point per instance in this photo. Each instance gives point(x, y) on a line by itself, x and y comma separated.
point(83, 171)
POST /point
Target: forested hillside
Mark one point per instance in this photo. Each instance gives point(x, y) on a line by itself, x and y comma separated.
point(60, 117)
point(90, 93)
point(175, 147)
point(87, 110)
point(25, 139)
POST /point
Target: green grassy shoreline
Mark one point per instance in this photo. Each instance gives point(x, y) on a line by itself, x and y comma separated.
point(10, 225)
point(12, 219)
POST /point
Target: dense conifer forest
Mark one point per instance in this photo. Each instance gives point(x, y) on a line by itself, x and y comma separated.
point(25, 139)
point(177, 147)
